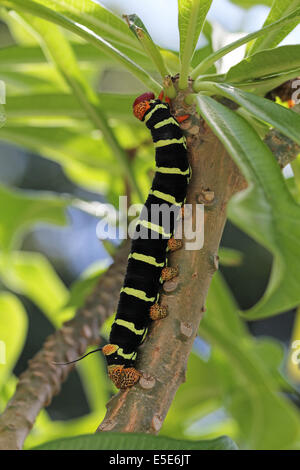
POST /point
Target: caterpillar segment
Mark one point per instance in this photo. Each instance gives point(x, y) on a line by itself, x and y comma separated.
point(147, 262)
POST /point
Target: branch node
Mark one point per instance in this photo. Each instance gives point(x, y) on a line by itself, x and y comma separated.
point(170, 286)
point(186, 329)
point(147, 381)
point(214, 259)
point(108, 425)
point(206, 196)
point(157, 422)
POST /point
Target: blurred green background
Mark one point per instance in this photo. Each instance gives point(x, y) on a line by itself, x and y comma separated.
point(59, 154)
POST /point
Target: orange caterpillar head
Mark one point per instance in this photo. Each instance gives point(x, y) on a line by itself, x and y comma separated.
point(141, 104)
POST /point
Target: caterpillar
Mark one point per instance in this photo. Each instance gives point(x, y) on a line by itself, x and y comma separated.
point(147, 262)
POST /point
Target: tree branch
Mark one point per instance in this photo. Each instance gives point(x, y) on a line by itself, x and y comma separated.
point(42, 380)
point(164, 354)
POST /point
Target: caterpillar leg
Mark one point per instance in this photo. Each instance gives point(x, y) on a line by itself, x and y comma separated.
point(174, 244)
point(168, 273)
point(157, 312)
point(161, 97)
point(182, 118)
point(291, 103)
point(129, 377)
point(123, 377)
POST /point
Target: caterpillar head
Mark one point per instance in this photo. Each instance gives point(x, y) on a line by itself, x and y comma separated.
point(142, 104)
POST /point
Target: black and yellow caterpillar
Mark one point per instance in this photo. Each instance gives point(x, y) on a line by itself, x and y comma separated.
point(147, 261)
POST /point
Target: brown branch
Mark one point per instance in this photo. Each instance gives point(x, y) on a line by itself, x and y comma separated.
point(163, 356)
point(42, 380)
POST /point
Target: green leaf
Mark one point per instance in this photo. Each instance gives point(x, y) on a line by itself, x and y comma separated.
point(139, 29)
point(62, 144)
point(191, 17)
point(97, 18)
point(2, 115)
point(263, 86)
point(49, 14)
point(226, 381)
point(77, 149)
point(13, 330)
point(263, 64)
point(285, 120)
point(280, 9)
point(223, 308)
point(266, 210)
point(57, 46)
point(31, 81)
point(32, 275)
point(19, 211)
point(230, 257)
point(83, 286)
point(13, 58)
point(251, 3)
point(203, 52)
point(201, 393)
point(266, 419)
point(131, 441)
point(64, 104)
point(276, 26)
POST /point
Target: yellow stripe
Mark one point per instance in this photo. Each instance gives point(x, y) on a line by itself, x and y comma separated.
point(130, 326)
point(165, 142)
point(140, 294)
point(126, 356)
point(165, 122)
point(154, 227)
point(172, 171)
point(146, 259)
point(148, 115)
point(165, 197)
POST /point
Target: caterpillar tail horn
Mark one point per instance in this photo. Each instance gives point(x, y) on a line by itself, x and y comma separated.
point(76, 360)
